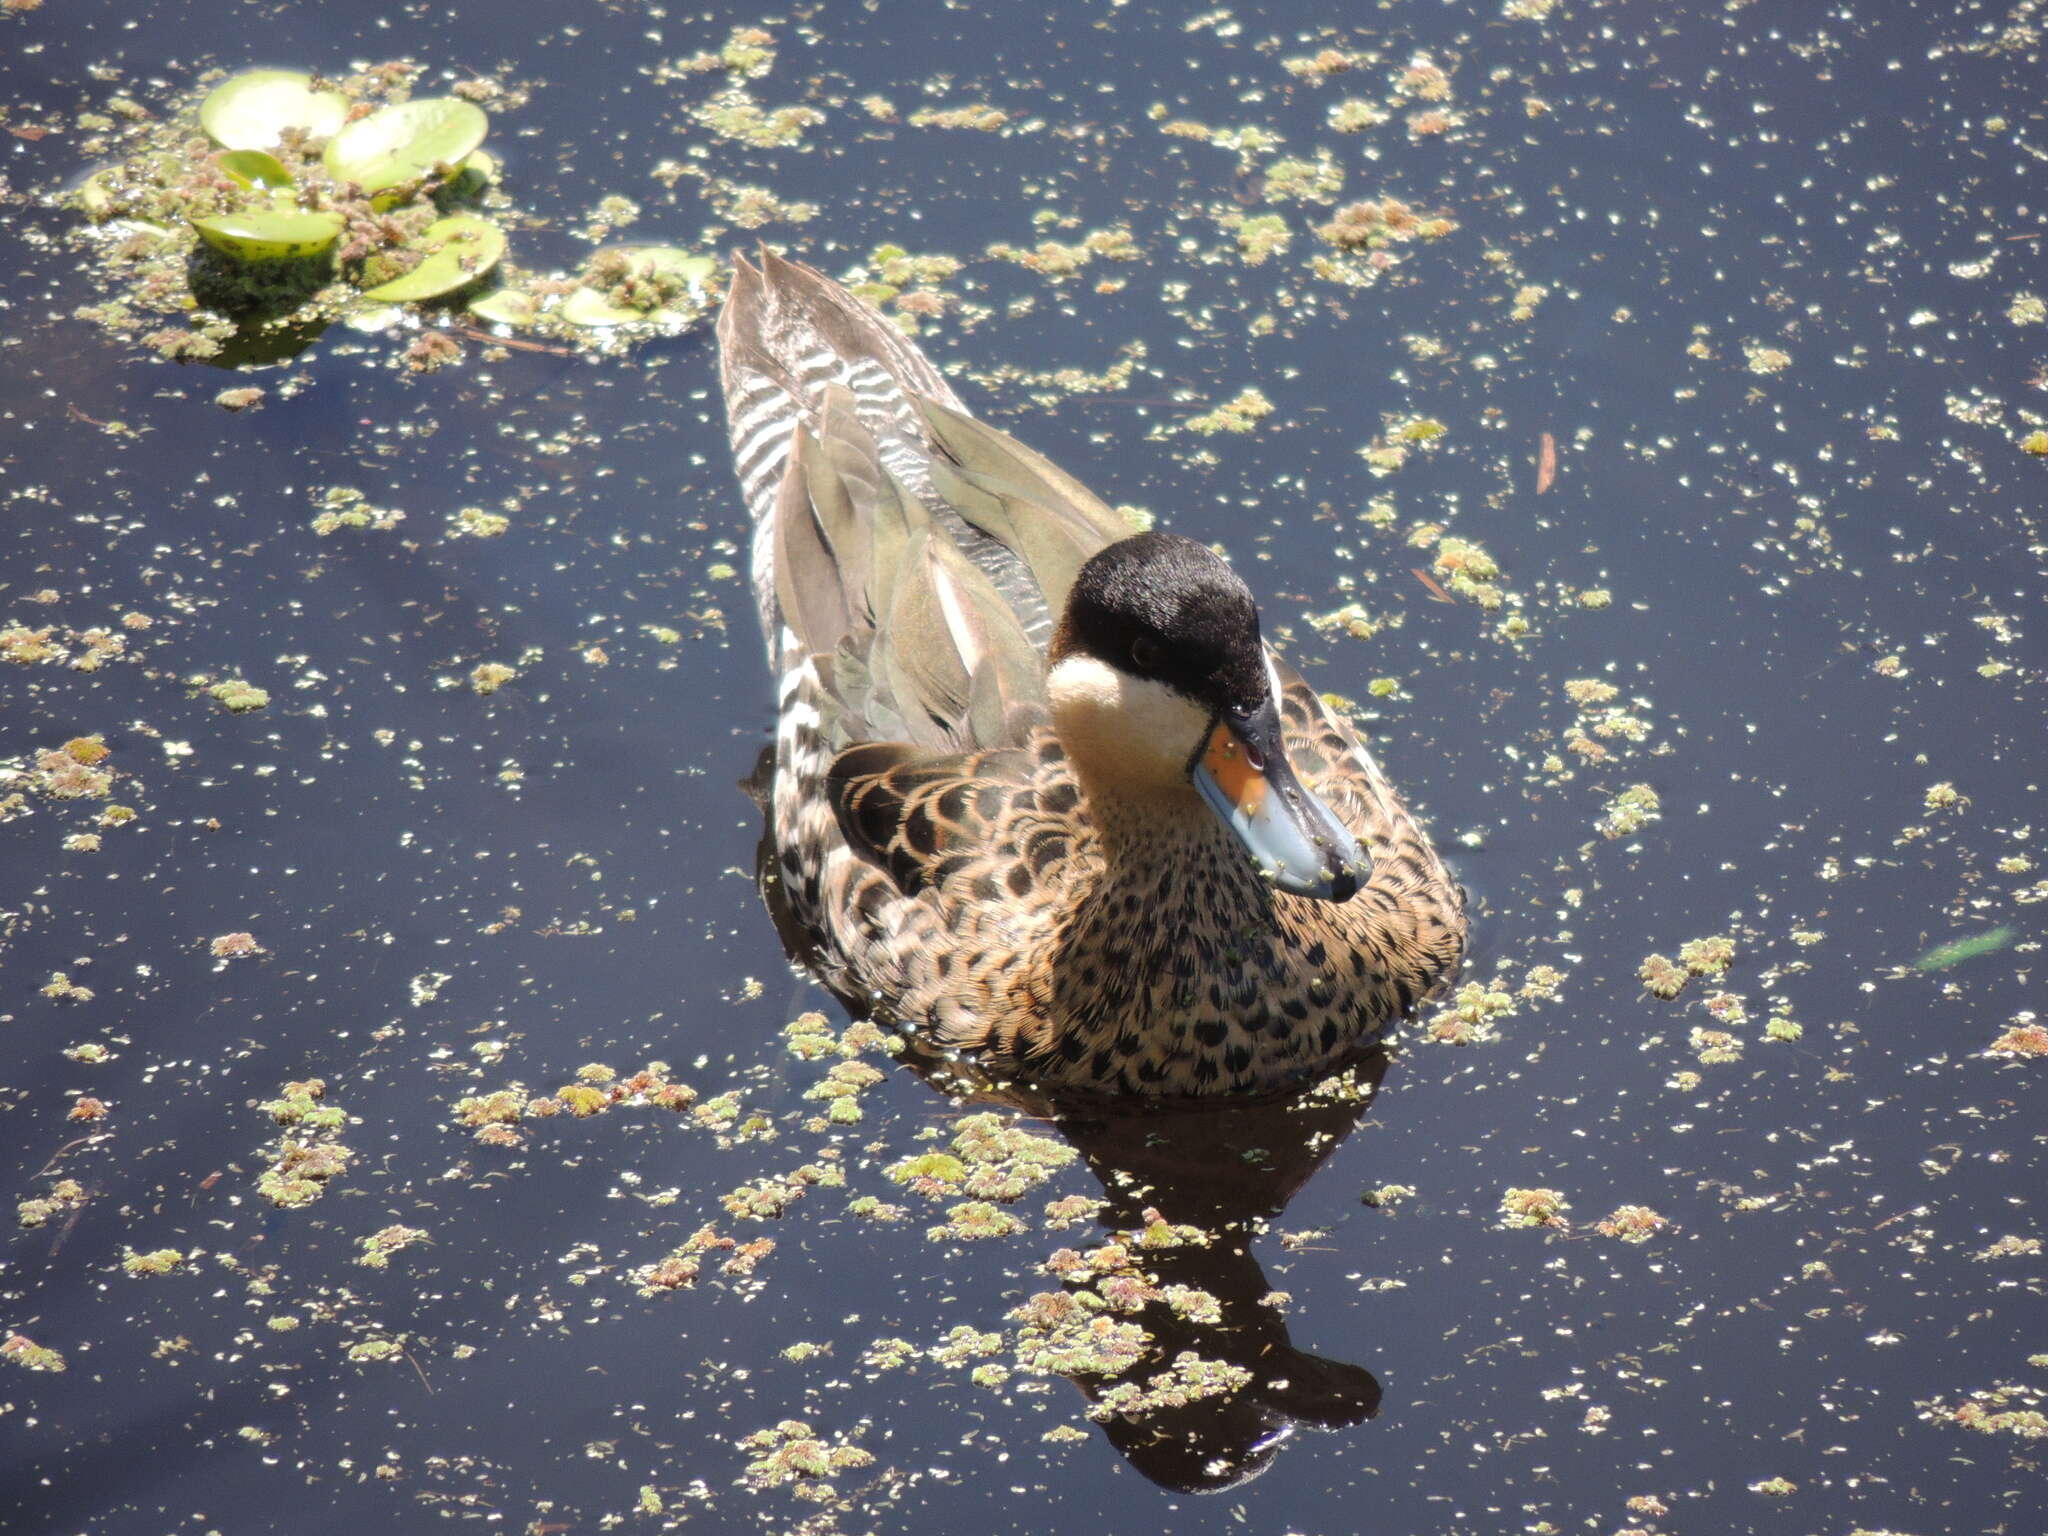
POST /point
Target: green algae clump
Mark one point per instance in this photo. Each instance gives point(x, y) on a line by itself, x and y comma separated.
point(162, 1261)
point(1533, 1208)
point(238, 697)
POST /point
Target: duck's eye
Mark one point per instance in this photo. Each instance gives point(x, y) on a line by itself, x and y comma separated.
point(1145, 654)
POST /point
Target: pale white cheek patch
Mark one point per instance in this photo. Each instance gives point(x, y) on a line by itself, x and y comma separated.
point(1122, 727)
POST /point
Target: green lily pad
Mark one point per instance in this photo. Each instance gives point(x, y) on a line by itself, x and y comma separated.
point(459, 250)
point(637, 283)
point(255, 168)
point(405, 142)
point(506, 306)
point(270, 234)
point(252, 110)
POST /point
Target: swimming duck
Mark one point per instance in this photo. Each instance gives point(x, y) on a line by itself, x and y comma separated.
point(1041, 795)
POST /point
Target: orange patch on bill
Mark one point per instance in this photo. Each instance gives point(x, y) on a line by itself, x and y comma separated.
point(1230, 766)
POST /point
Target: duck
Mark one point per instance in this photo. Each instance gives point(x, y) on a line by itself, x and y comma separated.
point(1042, 798)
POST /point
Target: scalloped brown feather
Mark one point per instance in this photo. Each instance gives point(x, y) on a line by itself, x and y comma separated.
point(929, 832)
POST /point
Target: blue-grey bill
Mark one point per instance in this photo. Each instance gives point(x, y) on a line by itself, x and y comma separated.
point(1293, 837)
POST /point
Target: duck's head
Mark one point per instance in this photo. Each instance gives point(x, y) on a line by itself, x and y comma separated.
point(1160, 688)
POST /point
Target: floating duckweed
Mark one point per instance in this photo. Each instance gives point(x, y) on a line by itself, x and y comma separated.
point(1469, 1017)
point(2010, 1247)
point(889, 1354)
point(29, 1355)
point(734, 114)
point(503, 1107)
point(1192, 1304)
point(1992, 1412)
point(1710, 956)
point(299, 1171)
point(1715, 1047)
point(1661, 978)
point(378, 1247)
point(978, 116)
point(1726, 1007)
point(1631, 1224)
point(749, 51)
point(1775, 1487)
point(1533, 1208)
point(1759, 358)
point(62, 773)
point(1467, 570)
point(343, 506)
point(1002, 1159)
point(234, 946)
point(1048, 258)
point(375, 1351)
point(1386, 1196)
point(161, 1261)
point(1296, 180)
point(238, 697)
point(1355, 114)
point(487, 677)
point(2025, 1038)
point(1261, 237)
point(476, 523)
point(1629, 812)
point(1158, 1232)
point(582, 1100)
point(301, 1164)
point(1188, 1379)
point(1942, 797)
point(1241, 413)
point(300, 1104)
point(770, 1196)
point(2036, 443)
point(1070, 1210)
point(1373, 225)
point(1778, 1027)
point(963, 1343)
point(929, 1173)
point(972, 1219)
point(1064, 1335)
point(640, 285)
point(64, 1195)
point(792, 1453)
point(62, 987)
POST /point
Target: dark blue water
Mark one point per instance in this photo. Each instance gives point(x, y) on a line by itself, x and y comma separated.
point(1826, 584)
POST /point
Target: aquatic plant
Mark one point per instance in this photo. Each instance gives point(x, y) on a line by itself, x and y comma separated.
point(285, 201)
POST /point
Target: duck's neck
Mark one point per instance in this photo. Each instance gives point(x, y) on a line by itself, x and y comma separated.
point(1167, 849)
